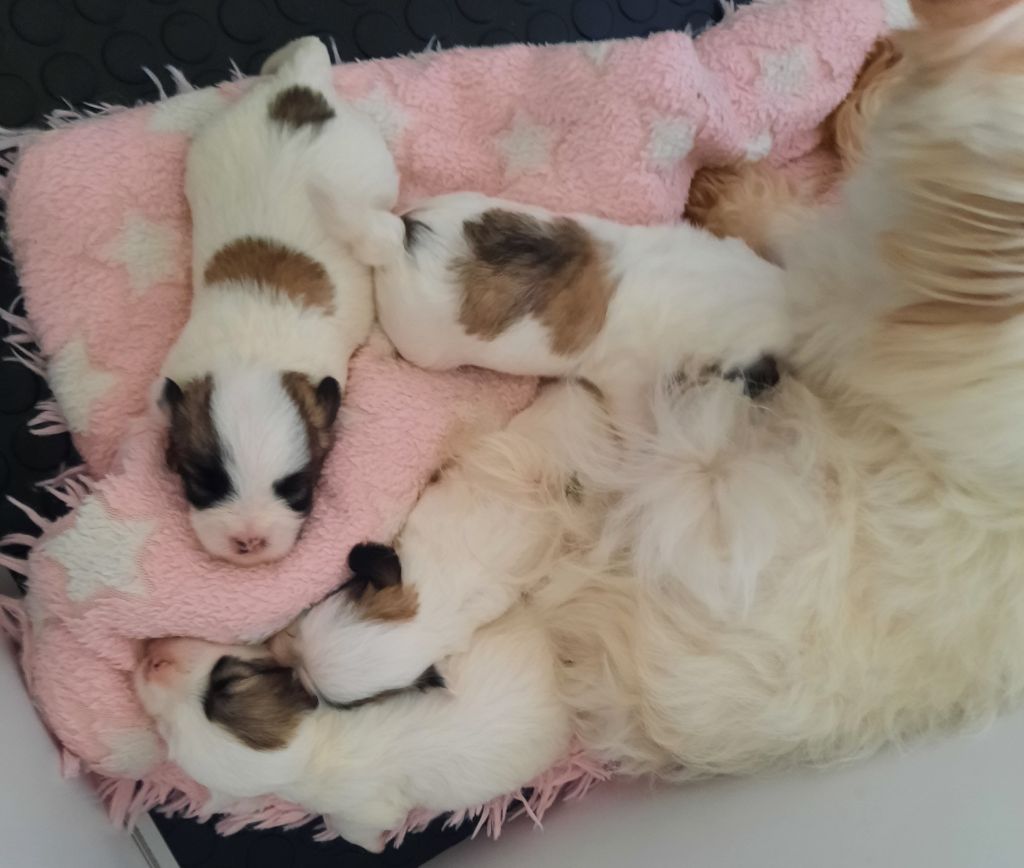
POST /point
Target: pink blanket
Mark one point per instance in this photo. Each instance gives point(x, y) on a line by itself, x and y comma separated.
point(99, 229)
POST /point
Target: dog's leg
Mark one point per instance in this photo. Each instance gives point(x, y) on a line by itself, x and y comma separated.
point(750, 201)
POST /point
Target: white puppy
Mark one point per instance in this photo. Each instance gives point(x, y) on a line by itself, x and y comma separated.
point(241, 724)
point(488, 282)
point(289, 190)
point(484, 532)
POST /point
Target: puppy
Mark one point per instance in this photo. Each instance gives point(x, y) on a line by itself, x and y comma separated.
point(845, 568)
point(288, 189)
point(488, 282)
point(240, 724)
point(485, 532)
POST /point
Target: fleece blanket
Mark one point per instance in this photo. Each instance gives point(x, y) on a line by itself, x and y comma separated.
point(99, 229)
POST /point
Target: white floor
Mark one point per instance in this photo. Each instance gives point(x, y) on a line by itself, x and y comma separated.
point(955, 804)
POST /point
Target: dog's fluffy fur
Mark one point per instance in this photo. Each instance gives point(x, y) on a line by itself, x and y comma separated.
point(841, 565)
point(483, 281)
point(289, 191)
point(866, 526)
point(242, 726)
point(490, 527)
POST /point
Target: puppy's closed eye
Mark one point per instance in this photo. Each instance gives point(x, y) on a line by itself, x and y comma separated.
point(297, 491)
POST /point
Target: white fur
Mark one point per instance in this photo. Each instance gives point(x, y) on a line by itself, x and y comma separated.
point(843, 566)
point(683, 299)
point(487, 531)
point(867, 523)
point(498, 724)
point(322, 192)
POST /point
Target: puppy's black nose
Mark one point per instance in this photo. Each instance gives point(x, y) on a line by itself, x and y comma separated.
point(757, 378)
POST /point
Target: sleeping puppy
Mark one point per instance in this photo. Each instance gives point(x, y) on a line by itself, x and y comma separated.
point(518, 289)
point(485, 532)
point(241, 724)
point(288, 190)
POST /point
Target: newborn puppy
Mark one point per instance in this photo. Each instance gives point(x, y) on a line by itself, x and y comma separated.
point(488, 282)
point(288, 190)
point(243, 726)
point(481, 535)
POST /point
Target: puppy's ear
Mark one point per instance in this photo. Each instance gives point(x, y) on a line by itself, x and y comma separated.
point(328, 396)
point(375, 565)
point(171, 395)
point(431, 678)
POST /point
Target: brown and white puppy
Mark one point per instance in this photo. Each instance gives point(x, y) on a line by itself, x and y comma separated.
point(514, 288)
point(243, 726)
point(487, 531)
point(286, 189)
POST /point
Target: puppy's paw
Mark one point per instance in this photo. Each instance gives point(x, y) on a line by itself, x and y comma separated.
point(382, 241)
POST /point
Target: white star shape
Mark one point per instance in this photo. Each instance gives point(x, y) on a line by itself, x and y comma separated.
point(785, 72)
point(77, 384)
point(671, 140)
point(387, 114)
point(596, 52)
point(899, 15)
point(525, 146)
point(100, 552)
point(759, 147)
point(187, 112)
point(146, 249)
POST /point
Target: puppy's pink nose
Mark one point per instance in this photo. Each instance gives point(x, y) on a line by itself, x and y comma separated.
point(157, 654)
point(249, 545)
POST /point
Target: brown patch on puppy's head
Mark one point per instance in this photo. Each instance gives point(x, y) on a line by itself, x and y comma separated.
point(300, 106)
point(318, 408)
point(274, 266)
point(520, 266)
point(193, 447)
point(258, 701)
point(376, 584)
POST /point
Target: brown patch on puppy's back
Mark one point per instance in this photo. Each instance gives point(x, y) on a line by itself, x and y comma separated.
point(258, 701)
point(274, 265)
point(300, 106)
point(520, 266)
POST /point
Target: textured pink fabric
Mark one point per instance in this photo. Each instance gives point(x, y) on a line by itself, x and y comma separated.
point(99, 228)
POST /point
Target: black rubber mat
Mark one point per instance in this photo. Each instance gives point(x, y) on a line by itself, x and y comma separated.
point(57, 52)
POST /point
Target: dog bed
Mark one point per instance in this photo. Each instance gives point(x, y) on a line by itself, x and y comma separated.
point(98, 227)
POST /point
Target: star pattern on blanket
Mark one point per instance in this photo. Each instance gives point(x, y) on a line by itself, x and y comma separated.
point(146, 249)
point(759, 147)
point(671, 140)
point(100, 552)
point(596, 52)
point(525, 145)
point(186, 112)
point(389, 116)
point(77, 383)
point(786, 73)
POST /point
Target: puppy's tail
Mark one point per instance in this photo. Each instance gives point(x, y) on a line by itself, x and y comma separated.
point(304, 60)
point(375, 237)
